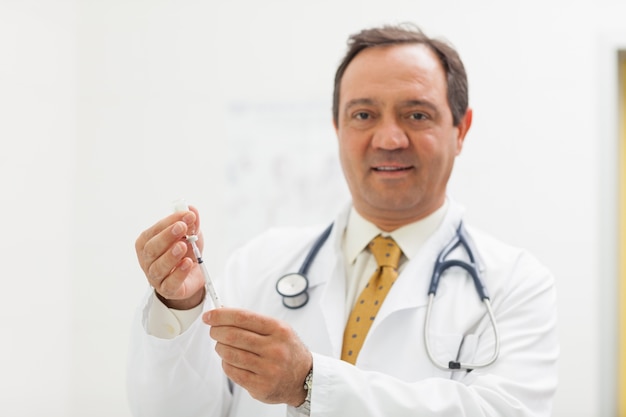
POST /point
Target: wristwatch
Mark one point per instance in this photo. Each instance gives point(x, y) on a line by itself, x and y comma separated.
point(305, 407)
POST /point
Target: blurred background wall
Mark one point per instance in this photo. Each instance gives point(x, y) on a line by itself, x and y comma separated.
point(109, 110)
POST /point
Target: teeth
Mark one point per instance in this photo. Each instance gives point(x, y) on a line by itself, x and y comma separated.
point(389, 169)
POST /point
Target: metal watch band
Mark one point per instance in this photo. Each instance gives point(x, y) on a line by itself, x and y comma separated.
point(305, 407)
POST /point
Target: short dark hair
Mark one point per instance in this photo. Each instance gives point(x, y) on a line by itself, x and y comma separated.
point(408, 33)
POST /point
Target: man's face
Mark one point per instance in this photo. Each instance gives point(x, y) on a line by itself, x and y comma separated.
point(397, 143)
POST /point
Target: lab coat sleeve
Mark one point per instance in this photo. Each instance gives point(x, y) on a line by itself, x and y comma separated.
point(179, 377)
point(521, 383)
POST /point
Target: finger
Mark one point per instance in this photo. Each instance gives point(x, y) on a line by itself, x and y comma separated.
point(153, 242)
point(195, 229)
point(177, 285)
point(161, 265)
point(238, 338)
point(195, 224)
point(159, 243)
point(188, 217)
point(257, 385)
point(266, 381)
point(242, 319)
point(241, 377)
point(239, 358)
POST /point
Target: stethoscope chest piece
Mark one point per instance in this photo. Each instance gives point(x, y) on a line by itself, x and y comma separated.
point(293, 288)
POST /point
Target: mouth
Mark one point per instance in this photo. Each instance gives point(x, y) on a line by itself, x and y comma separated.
point(391, 168)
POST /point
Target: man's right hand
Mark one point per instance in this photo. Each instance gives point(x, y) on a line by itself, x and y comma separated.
point(168, 261)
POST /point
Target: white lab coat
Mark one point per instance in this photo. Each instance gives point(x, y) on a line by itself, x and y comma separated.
point(393, 375)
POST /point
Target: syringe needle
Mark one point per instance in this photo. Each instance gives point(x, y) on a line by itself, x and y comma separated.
point(208, 282)
point(181, 205)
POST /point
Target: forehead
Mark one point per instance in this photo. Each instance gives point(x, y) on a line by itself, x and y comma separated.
point(407, 71)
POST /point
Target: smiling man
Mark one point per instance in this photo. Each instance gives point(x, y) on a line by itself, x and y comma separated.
point(371, 334)
point(397, 136)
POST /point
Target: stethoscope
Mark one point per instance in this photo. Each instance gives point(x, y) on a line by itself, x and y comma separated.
point(293, 287)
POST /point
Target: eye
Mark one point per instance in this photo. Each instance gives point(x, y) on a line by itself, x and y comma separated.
point(418, 116)
point(362, 115)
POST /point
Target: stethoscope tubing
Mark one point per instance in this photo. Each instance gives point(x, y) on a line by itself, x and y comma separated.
point(456, 365)
point(441, 265)
point(304, 268)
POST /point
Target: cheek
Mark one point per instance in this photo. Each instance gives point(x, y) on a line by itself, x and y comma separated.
point(435, 158)
point(348, 166)
point(427, 147)
point(351, 149)
point(438, 145)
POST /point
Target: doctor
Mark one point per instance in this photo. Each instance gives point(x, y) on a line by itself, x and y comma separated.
point(400, 110)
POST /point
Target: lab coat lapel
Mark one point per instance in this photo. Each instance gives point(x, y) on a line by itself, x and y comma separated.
point(330, 270)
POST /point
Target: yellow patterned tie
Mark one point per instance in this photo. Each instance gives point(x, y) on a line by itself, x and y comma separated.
point(387, 254)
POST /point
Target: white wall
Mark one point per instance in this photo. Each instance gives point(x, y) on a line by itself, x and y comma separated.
point(37, 170)
point(112, 109)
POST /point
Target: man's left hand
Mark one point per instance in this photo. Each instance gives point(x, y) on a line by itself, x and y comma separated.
point(261, 354)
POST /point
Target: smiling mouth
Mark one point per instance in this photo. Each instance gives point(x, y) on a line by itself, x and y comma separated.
point(391, 169)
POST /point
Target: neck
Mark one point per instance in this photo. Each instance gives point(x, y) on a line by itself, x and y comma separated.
point(390, 220)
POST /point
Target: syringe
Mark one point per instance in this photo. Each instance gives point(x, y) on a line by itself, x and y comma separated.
point(181, 205)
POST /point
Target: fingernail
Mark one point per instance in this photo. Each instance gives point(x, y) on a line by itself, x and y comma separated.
point(207, 317)
point(177, 249)
point(178, 229)
point(189, 218)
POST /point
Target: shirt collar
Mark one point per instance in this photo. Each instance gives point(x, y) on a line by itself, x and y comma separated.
point(410, 238)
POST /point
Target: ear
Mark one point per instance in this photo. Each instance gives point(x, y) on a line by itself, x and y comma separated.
point(462, 129)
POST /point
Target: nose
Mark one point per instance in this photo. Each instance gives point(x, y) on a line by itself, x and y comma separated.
point(390, 136)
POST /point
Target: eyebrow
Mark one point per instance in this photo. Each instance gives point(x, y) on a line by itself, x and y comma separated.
point(359, 102)
point(404, 104)
point(420, 103)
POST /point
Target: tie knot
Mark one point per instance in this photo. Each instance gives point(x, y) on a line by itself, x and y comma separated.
point(386, 251)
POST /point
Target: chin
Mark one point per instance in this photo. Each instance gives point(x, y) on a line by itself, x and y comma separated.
point(395, 203)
